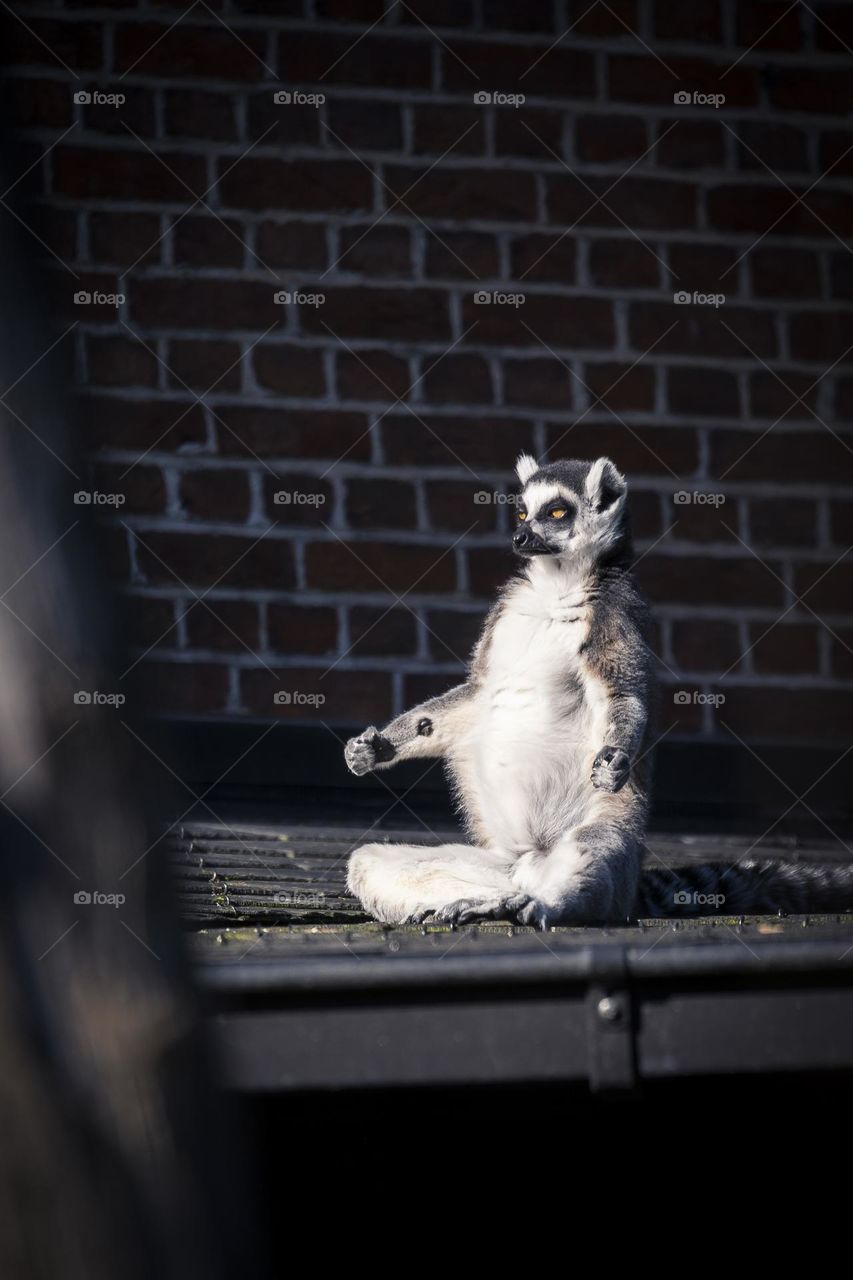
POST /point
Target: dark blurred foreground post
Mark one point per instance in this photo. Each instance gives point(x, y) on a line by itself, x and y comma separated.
point(113, 1160)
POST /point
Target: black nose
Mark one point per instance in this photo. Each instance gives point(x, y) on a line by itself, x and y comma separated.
point(522, 538)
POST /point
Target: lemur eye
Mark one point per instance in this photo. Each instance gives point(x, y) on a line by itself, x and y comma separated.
point(557, 513)
point(522, 515)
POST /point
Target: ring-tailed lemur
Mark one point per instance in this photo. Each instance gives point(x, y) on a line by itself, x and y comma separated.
point(546, 742)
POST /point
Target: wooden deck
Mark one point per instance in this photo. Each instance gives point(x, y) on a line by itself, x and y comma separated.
point(273, 890)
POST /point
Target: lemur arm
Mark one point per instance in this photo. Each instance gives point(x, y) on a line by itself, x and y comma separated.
point(619, 657)
point(426, 730)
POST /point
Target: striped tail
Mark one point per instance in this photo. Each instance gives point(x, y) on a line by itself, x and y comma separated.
point(754, 887)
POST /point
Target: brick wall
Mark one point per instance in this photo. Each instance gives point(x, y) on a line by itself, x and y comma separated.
point(382, 412)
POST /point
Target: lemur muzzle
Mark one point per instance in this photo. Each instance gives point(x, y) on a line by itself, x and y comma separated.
point(528, 543)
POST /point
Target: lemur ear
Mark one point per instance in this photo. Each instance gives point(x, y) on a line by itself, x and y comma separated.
point(605, 486)
point(525, 467)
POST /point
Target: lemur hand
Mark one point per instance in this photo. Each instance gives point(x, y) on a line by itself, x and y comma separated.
point(365, 752)
point(610, 769)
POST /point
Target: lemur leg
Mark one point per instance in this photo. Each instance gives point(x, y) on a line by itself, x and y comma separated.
point(402, 884)
point(427, 730)
point(589, 876)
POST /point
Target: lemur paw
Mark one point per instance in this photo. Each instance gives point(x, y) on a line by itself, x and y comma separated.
point(363, 753)
point(471, 910)
point(539, 915)
point(610, 769)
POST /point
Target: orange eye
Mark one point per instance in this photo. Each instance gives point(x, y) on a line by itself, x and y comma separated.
point(557, 513)
point(522, 515)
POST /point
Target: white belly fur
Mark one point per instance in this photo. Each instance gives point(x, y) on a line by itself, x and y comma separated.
point(539, 722)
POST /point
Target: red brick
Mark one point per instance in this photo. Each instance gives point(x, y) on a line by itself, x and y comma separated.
point(789, 715)
point(209, 242)
point(559, 321)
point(775, 398)
point(50, 43)
point(123, 423)
point(378, 61)
point(841, 523)
point(699, 332)
point(137, 112)
point(462, 255)
point(290, 370)
point(202, 559)
point(621, 387)
point(693, 144)
point(95, 174)
point(819, 335)
point(380, 632)
point(123, 238)
point(188, 688)
point(608, 139)
point(366, 126)
point(302, 628)
point(844, 399)
point(703, 521)
point(211, 52)
point(836, 152)
point(292, 244)
point(260, 182)
point(439, 13)
point(229, 625)
point(700, 265)
point(789, 649)
point(380, 504)
point(488, 195)
point(57, 228)
point(823, 90)
point(530, 132)
point(780, 146)
point(41, 104)
point(118, 361)
point(215, 495)
point(748, 455)
point(711, 393)
point(774, 210)
point(199, 113)
point(599, 20)
point(693, 24)
point(782, 522)
point(202, 365)
point(419, 688)
point(637, 78)
point(620, 264)
point(453, 505)
point(505, 15)
point(641, 203)
point(291, 124)
point(376, 251)
point(398, 315)
point(769, 24)
point(372, 375)
point(374, 566)
point(489, 568)
point(562, 73)
point(544, 382)
point(448, 129)
point(543, 258)
point(706, 644)
point(144, 488)
point(292, 433)
point(458, 379)
point(178, 302)
point(827, 587)
point(297, 488)
point(644, 508)
point(643, 450)
point(349, 697)
point(432, 440)
point(785, 273)
point(453, 632)
point(691, 580)
point(148, 620)
point(834, 27)
point(842, 652)
point(366, 11)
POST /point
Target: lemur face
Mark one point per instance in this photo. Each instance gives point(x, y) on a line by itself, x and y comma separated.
point(569, 508)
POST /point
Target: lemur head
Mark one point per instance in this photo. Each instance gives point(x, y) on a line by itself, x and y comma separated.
point(571, 510)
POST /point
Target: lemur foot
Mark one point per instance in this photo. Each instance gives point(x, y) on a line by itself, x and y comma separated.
point(610, 769)
point(365, 752)
point(470, 910)
point(539, 915)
